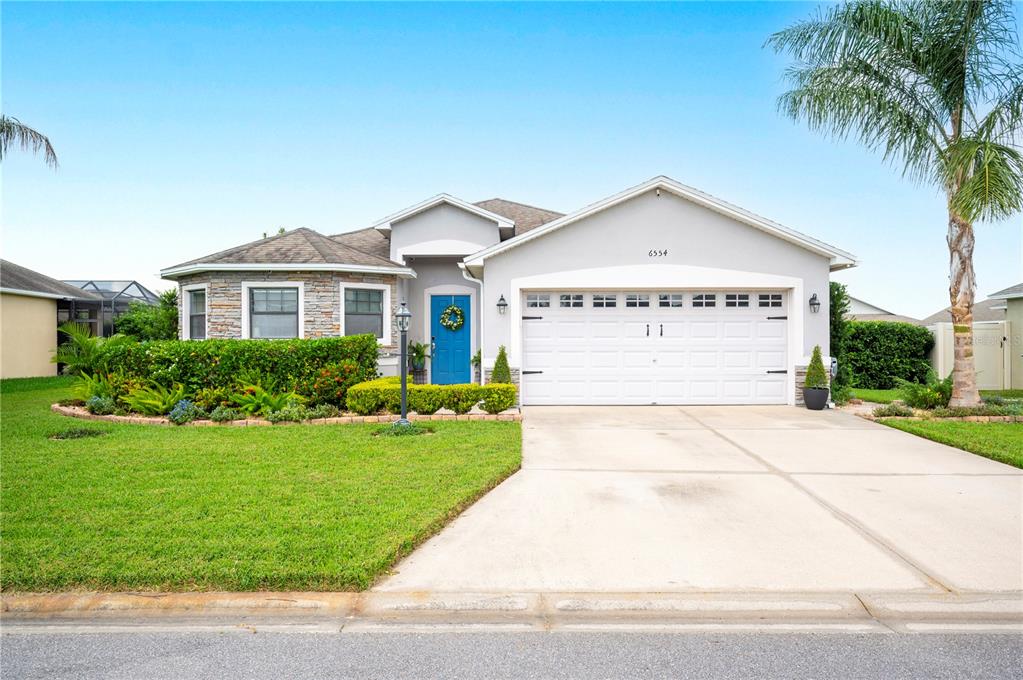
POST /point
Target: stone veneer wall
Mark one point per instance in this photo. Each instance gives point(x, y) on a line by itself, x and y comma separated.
point(514, 375)
point(800, 382)
point(322, 304)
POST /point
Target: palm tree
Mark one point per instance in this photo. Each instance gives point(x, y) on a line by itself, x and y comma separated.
point(937, 88)
point(13, 131)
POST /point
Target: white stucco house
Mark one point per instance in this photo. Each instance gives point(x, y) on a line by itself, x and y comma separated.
point(660, 294)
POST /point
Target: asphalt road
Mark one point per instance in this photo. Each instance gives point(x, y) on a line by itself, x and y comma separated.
point(224, 655)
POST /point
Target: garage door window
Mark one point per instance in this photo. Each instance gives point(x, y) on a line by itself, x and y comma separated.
point(705, 300)
point(637, 300)
point(770, 299)
point(571, 300)
point(537, 300)
point(605, 301)
point(736, 300)
point(669, 300)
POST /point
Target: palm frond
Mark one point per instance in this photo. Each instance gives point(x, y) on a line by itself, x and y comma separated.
point(14, 132)
point(990, 179)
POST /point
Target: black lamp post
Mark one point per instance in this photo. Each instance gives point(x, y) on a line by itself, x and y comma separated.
point(404, 316)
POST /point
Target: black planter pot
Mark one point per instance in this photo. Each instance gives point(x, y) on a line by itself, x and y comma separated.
point(816, 398)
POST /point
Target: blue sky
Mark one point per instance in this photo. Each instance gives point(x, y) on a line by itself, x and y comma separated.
point(187, 128)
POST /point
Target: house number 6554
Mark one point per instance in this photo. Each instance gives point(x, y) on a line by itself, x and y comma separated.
point(657, 253)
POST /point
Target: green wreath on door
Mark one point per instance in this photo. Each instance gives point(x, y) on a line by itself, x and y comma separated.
point(452, 318)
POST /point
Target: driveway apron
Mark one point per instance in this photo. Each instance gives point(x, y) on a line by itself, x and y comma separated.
point(751, 498)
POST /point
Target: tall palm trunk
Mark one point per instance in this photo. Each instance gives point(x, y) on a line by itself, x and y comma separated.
point(962, 282)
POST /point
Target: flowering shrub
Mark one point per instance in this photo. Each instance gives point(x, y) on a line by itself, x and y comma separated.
point(224, 414)
point(330, 384)
point(185, 411)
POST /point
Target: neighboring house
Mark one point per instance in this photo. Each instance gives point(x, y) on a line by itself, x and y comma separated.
point(29, 307)
point(864, 311)
point(992, 309)
point(1013, 298)
point(116, 297)
point(660, 294)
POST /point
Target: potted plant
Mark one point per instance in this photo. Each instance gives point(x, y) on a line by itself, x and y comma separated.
point(417, 355)
point(815, 388)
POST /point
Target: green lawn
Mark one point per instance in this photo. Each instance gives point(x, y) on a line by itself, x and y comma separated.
point(226, 508)
point(888, 396)
point(998, 441)
point(876, 396)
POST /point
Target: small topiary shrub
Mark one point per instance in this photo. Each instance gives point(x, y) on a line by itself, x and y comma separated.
point(101, 406)
point(501, 373)
point(894, 409)
point(816, 376)
point(185, 411)
point(224, 414)
point(497, 397)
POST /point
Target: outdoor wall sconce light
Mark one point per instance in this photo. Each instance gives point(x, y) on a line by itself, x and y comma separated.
point(502, 305)
point(815, 304)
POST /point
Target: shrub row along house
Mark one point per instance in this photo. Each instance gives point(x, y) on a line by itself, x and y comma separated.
point(660, 294)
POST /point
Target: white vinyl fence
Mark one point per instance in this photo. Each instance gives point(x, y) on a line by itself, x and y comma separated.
point(991, 353)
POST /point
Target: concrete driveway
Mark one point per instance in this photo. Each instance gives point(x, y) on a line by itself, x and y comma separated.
point(665, 499)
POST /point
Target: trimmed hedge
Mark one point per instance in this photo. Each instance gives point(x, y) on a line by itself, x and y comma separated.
point(880, 352)
point(293, 365)
point(384, 394)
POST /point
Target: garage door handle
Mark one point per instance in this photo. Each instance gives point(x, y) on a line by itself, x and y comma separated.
point(648, 330)
point(781, 371)
point(530, 372)
point(662, 330)
point(530, 318)
point(772, 318)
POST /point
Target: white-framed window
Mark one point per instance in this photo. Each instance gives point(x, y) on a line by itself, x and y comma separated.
point(366, 308)
point(736, 299)
point(769, 300)
point(194, 320)
point(637, 300)
point(669, 300)
point(704, 300)
point(538, 300)
point(273, 309)
point(570, 300)
point(604, 301)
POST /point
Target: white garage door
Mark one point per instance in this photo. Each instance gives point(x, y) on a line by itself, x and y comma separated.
point(654, 347)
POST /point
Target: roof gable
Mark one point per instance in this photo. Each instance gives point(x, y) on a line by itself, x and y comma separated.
point(526, 217)
point(840, 259)
point(386, 223)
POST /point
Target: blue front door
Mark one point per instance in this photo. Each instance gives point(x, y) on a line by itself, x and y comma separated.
point(449, 363)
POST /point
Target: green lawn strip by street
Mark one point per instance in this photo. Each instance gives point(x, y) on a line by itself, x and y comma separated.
point(998, 441)
point(875, 396)
point(288, 507)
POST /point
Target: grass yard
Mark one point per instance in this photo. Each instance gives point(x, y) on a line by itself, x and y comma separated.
point(998, 441)
point(225, 508)
point(876, 396)
point(888, 396)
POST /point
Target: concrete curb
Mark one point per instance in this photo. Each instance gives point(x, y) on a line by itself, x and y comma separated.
point(536, 611)
point(81, 413)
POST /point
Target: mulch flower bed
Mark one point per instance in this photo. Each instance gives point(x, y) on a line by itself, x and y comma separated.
point(80, 412)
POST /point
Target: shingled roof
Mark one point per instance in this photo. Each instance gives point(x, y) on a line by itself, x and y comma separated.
point(992, 309)
point(1010, 293)
point(297, 247)
point(368, 240)
point(524, 216)
point(17, 279)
